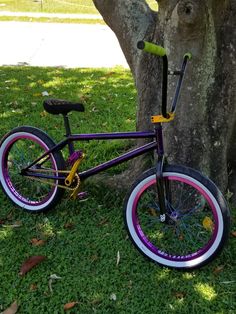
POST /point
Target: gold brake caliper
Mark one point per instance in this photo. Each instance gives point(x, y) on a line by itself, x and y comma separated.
point(72, 175)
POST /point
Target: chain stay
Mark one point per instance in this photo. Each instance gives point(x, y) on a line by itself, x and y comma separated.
point(66, 186)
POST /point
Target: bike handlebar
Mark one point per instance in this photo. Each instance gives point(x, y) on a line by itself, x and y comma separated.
point(161, 52)
point(151, 48)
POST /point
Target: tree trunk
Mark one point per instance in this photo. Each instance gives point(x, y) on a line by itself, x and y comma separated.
point(203, 134)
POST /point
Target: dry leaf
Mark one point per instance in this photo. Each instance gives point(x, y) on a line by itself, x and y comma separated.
point(37, 242)
point(30, 263)
point(69, 305)
point(12, 309)
point(43, 114)
point(152, 212)
point(33, 287)
point(181, 237)
point(208, 223)
point(233, 233)
point(69, 225)
point(94, 258)
point(103, 222)
point(218, 269)
point(179, 295)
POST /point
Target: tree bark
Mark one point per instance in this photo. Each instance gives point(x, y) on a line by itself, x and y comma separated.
point(203, 135)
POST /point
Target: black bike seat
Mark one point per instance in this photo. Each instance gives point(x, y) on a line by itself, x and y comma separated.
point(57, 106)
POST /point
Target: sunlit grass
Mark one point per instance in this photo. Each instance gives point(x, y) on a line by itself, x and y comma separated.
point(82, 239)
point(51, 20)
point(6, 232)
point(50, 6)
point(56, 6)
point(206, 291)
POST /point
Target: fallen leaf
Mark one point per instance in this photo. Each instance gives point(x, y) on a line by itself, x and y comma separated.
point(152, 212)
point(103, 222)
point(43, 114)
point(218, 269)
point(208, 223)
point(30, 263)
point(33, 287)
point(179, 295)
point(69, 225)
point(37, 242)
point(94, 258)
point(69, 305)
point(12, 309)
point(233, 233)
point(181, 237)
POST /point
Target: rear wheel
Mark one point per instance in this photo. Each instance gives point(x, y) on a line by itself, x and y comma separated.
point(197, 218)
point(20, 148)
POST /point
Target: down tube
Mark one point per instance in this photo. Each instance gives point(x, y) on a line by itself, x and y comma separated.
point(118, 160)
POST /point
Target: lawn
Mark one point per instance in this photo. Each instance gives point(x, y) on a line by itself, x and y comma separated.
point(55, 6)
point(50, 6)
point(83, 240)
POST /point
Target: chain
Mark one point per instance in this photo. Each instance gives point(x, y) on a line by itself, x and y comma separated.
point(74, 190)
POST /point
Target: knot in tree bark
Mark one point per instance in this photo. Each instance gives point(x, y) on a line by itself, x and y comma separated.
point(189, 12)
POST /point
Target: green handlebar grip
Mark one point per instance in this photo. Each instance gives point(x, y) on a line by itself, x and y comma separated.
point(152, 48)
point(188, 55)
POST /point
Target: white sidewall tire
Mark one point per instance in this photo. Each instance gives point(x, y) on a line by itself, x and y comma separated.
point(193, 263)
point(8, 140)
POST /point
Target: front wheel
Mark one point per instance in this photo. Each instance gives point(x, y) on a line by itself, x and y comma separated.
point(197, 218)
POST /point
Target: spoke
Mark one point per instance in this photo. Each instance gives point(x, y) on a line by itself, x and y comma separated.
point(184, 233)
point(19, 156)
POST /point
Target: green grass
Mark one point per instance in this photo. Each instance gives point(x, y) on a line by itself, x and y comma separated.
point(50, 20)
point(82, 238)
point(50, 6)
point(55, 6)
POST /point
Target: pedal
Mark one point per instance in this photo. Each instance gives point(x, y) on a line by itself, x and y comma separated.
point(83, 196)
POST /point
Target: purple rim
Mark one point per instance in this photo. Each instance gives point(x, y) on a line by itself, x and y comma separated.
point(7, 177)
point(153, 248)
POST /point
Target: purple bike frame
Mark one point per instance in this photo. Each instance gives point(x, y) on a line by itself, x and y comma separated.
point(156, 135)
point(122, 158)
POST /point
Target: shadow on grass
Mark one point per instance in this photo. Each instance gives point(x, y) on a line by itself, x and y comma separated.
point(82, 239)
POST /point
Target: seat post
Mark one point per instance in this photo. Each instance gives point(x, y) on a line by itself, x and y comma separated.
point(68, 133)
